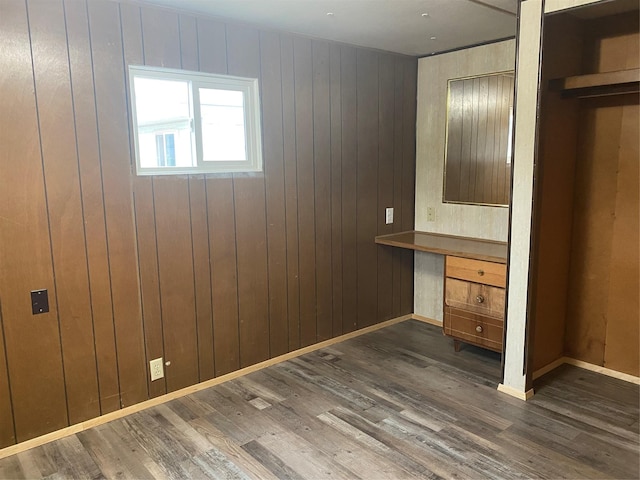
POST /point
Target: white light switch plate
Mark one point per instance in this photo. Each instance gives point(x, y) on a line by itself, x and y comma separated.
point(389, 215)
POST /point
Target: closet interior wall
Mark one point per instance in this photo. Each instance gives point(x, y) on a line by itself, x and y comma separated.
point(586, 247)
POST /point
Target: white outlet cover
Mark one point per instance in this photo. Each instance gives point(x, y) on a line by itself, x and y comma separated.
point(156, 368)
point(389, 215)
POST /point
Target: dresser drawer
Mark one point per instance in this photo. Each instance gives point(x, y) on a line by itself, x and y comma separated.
point(478, 271)
point(474, 297)
point(472, 328)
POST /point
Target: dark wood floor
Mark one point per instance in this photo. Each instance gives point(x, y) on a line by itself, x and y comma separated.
point(396, 403)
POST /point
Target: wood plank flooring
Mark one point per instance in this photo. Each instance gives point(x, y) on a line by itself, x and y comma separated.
point(396, 403)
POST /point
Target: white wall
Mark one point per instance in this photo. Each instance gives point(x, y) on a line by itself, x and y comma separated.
point(455, 219)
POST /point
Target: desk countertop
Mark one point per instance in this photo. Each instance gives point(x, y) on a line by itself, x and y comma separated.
point(466, 247)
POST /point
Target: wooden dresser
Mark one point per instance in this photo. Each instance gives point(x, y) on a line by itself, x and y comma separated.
point(474, 284)
point(474, 294)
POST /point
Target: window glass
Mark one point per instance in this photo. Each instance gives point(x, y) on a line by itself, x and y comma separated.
point(223, 136)
point(191, 122)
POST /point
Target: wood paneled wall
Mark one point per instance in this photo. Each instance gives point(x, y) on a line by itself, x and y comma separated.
point(214, 272)
point(477, 169)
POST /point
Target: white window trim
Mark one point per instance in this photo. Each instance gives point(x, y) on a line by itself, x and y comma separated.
point(253, 134)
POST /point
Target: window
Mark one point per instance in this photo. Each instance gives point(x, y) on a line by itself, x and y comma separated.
point(191, 122)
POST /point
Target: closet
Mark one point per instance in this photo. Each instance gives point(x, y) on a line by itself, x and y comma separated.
point(583, 296)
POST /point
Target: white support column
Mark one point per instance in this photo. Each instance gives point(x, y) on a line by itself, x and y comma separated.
point(528, 74)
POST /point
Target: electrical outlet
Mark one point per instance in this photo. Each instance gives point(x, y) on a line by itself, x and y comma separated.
point(156, 368)
point(431, 214)
point(389, 215)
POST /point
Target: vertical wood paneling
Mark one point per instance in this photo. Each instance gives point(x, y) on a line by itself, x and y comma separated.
point(303, 70)
point(366, 185)
point(491, 178)
point(455, 102)
point(64, 206)
point(243, 54)
point(160, 37)
point(501, 191)
point(322, 186)
point(188, 42)
point(7, 432)
point(336, 187)
point(473, 147)
point(81, 68)
point(212, 58)
point(175, 267)
point(224, 276)
point(145, 220)
point(290, 188)
point(149, 278)
point(25, 255)
point(483, 115)
point(189, 58)
point(104, 24)
point(212, 46)
point(161, 41)
point(211, 272)
point(349, 179)
point(386, 100)
point(202, 275)
point(273, 152)
point(477, 135)
point(212, 53)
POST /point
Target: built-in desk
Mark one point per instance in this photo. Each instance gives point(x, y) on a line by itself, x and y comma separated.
point(464, 247)
point(474, 284)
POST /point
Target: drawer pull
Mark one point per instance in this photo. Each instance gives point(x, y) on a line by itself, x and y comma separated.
point(480, 299)
point(481, 272)
point(479, 329)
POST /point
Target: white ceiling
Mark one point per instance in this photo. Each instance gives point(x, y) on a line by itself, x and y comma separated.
point(392, 25)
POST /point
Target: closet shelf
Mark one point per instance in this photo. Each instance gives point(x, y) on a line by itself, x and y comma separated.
point(598, 84)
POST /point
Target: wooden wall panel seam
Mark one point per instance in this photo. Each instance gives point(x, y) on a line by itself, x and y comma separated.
point(273, 141)
point(84, 126)
point(104, 206)
point(137, 56)
point(235, 236)
point(335, 135)
point(46, 201)
point(82, 207)
point(213, 335)
point(118, 200)
point(287, 75)
point(12, 437)
point(264, 183)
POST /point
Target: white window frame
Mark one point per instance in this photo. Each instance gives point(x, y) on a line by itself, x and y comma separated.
point(197, 80)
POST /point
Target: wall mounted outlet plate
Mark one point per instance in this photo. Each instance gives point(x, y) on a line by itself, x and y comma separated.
point(156, 368)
